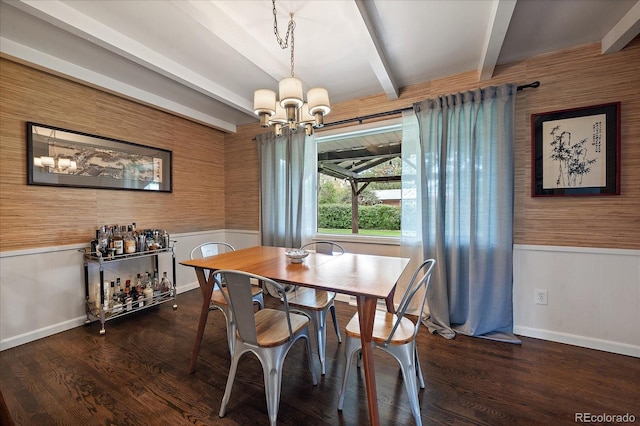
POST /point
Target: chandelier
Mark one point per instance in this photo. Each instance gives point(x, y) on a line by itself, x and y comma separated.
point(291, 109)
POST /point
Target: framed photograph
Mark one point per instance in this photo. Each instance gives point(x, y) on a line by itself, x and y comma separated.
point(576, 152)
point(61, 157)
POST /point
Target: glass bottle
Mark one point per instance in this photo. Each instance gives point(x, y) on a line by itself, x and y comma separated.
point(103, 241)
point(108, 301)
point(148, 293)
point(157, 289)
point(166, 285)
point(118, 241)
point(95, 244)
point(129, 242)
point(116, 304)
point(165, 240)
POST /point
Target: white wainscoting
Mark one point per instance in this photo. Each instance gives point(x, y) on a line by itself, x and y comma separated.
point(593, 296)
point(42, 290)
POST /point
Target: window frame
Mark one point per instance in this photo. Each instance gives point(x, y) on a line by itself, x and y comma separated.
point(346, 132)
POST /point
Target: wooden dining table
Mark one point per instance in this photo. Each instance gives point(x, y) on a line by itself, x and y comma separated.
point(367, 277)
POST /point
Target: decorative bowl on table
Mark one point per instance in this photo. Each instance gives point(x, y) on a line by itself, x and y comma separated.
point(296, 255)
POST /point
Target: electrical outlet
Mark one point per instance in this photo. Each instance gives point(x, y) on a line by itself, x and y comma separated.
point(541, 296)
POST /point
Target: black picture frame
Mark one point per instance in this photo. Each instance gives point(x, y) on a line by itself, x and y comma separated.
point(576, 152)
point(63, 157)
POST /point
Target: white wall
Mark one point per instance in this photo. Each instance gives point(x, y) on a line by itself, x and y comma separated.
point(593, 294)
point(42, 290)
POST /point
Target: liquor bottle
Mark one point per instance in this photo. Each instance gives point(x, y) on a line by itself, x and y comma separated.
point(129, 242)
point(96, 295)
point(166, 285)
point(108, 302)
point(95, 244)
point(118, 287)
point(165, 240)
point(128, 300)
point(117, 303)
point(148, 293)
point(118, 241)
point(103, 241)
point(141, 242)
point(128, 303)
point(105, 300)
point(157, 289)
point(134, 292)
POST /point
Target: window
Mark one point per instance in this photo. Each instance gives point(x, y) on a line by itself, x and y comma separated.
point(359, 172)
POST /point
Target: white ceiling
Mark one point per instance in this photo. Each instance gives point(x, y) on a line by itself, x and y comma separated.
point(203, 59)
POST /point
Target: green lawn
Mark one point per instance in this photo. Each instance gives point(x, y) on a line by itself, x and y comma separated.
point(376, 232)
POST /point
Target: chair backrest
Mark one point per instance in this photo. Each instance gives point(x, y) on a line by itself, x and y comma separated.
point(238, 285)
point(210, 249)
point(421, 279)
point(325, 247)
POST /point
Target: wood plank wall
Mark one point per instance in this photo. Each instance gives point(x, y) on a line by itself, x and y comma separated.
point(39, 216)
point(571, 78)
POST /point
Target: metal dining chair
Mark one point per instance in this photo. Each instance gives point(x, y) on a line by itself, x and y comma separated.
point(316, 303)
point(267, 333)
point(218, 301)
point(395, 334)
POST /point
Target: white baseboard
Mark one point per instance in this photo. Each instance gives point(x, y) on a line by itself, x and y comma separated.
point(187, 287)
point(585, 342)
point(31, 336)
point(21, 339)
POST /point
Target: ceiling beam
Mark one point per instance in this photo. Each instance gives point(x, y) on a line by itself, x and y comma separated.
point(377, 58)
point(623, 32)
point(501, 13)
point(336, 171)
point(221, 25)
point(69, 19)
point(69, 71)
point(361, 153)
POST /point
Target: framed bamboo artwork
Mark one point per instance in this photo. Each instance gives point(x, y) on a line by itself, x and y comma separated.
point(576, 152)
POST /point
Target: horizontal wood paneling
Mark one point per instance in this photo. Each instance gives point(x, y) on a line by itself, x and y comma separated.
point(570, 78)
point(37, 216)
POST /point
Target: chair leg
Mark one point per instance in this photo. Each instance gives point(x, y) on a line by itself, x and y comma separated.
point(352, 346)
point(272, 368)
point(335, 322)
point(314, 379)
point(259, 299)
point(231, 328)
point(320, 322)
point(318, 318)
point(419, 370)
point(230, 379)
point(405, 355)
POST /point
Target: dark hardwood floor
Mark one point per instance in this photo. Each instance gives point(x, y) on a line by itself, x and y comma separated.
point(136, 374)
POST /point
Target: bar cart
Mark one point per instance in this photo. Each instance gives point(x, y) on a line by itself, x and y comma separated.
point(103, 312)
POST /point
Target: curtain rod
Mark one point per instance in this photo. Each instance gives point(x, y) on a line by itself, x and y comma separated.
point(533, 85)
